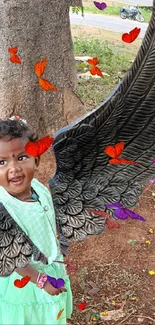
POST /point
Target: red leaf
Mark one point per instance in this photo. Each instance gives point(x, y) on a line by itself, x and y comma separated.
point(36, 149)
point(131, 36)
point(46, 85)
point(15, 59)
point(23, 282)
point(82, 305)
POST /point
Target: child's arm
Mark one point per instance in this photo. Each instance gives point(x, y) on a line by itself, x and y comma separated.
point(28, 270)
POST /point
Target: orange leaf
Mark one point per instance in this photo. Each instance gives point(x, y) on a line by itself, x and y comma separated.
point(60, 313)
point(93, 61)
point(12, 50)
point(114, 151)
point(46, 85)
point(40, 67)
point(15, 59)
point(122, 161)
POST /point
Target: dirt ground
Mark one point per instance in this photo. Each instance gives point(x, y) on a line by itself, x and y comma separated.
point(113, 268)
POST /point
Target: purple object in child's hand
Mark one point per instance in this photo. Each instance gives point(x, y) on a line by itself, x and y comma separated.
point(56, 283)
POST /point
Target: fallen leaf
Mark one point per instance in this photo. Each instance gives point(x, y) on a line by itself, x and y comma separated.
point(132, 242)
point(59, 313)
point(133, 298)
point(82, 305)
point(93, 291)
point(147, 242)
point(151, 230)
point(94, 318)
point(104, 313)
point(112, 315)
point(151, 272)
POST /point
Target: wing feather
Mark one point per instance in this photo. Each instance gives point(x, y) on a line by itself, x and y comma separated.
point(127, 115)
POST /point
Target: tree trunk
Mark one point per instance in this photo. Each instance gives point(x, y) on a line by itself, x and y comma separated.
point(38, 28)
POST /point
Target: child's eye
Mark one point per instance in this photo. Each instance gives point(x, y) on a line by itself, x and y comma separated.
point(21, 158)
point(2, 162)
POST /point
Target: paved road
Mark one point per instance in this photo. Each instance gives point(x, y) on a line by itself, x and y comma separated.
point(108, 23)
point(140, 3)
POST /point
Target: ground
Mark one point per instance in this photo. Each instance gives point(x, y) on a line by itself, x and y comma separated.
point(113, 268)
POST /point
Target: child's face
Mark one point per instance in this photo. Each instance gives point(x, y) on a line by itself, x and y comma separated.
point(17, 168)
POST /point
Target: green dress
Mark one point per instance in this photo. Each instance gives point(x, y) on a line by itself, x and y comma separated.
point(31, 305)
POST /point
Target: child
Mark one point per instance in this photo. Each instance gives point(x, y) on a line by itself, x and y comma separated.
point(29, 203)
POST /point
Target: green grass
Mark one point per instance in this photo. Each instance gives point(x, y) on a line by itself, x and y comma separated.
point(114, 11)
point(113, 59)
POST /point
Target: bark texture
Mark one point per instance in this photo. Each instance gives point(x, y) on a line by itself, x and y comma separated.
point(38, 28)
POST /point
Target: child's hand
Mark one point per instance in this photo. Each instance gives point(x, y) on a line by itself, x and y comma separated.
point(53, 291)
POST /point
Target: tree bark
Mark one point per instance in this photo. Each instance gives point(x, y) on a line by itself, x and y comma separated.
point(38, 28)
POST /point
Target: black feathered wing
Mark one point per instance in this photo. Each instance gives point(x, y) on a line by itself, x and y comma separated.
point(84, 177)
point(16, 249)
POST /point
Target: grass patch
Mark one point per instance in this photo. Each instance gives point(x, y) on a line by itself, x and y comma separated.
point(115, 58)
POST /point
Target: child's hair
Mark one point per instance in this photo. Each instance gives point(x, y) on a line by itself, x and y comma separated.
point(16, 129)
